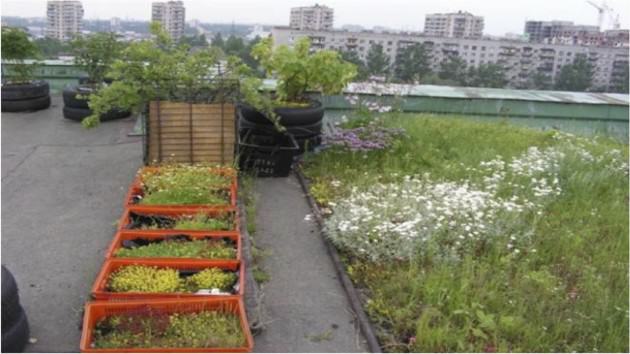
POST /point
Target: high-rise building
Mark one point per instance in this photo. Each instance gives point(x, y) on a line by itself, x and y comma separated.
point(521, 60)
point(316, 18)
point(566, 32)
point(65, 19)
point(172, 16)
point(454, 25)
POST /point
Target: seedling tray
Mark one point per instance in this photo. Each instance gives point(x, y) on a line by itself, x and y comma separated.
point(129, 220)
point(98, 310)
point(130, 235)
point(100, 291)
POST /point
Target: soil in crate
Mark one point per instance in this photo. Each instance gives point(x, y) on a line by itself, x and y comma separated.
point(188, 222)
point(205, 329)
point(178, 246)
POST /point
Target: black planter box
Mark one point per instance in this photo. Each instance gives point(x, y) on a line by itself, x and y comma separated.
point(266, 155)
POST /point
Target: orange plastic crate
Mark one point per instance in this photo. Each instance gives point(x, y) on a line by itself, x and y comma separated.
point(97, 310)
point(142, 234)
point(136, 189)
point(100, 292)
point(125, 220)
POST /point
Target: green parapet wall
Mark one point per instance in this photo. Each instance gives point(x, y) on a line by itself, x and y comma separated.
point(581, 113)
point(58, 73)
point(577, 118)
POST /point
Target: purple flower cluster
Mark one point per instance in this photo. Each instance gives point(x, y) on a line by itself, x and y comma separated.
point(364, 138)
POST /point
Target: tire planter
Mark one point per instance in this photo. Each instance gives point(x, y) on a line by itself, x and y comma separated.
point(77, 109)
point(10, 300)
point(31, 104)
point(288, 116)
point(25, 97)
point(78, 114)
point(70, 98)
point(15, 338)
point(17, 92)
point(15, 330)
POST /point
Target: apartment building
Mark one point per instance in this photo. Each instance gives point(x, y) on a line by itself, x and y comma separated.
point(64, 19)
point(316, 18)
point(454, 25)
point(520, 59)
point(565, 32)
point(172, 16)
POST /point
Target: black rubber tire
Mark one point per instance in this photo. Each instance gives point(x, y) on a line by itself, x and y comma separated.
point(70, 94)
point(78, 114)
point(10, 300)
point(19, 92)
point(15, 338)
point(297, 130)
point(288, 116)
point(33, 104)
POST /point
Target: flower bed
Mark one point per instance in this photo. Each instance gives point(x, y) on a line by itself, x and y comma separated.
point(131, 279)
point(182, 186)
point(222, 247)
point(197, 325)
point(180, 220)
point(474, 237)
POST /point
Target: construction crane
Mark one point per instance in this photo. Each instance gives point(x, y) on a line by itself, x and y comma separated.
point(602, 11)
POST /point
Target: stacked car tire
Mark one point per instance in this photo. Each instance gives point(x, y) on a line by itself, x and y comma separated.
point(304, 123)
point(76, 107)
point(24, 97)
point(15, 330)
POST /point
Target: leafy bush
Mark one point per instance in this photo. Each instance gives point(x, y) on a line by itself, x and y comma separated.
point(15, 48)
point(95, 54)
point(154, 69)
point(299, 70)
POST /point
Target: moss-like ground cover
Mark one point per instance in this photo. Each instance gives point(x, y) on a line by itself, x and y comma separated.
point(208, 249)
point(470, 236)
point(206, 329)
point(183, 184)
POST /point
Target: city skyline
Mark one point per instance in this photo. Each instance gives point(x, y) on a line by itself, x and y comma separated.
point(498, 19)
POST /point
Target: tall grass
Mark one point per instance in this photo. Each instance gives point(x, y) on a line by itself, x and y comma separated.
point(568, 291)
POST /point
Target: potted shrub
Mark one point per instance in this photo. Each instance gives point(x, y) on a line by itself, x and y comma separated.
point(19, 91)
point(299, 72)
point(155, 69)
point(94, 54)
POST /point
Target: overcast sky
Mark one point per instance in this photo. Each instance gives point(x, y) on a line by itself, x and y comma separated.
point(500, 16)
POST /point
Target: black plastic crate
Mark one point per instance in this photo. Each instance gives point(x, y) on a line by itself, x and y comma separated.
point(266, 155)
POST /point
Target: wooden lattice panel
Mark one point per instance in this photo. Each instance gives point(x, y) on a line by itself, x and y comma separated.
point(191, 132)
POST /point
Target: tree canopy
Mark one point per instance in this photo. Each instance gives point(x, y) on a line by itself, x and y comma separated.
point(412, 64)
point(577, 76)
point(377, 61)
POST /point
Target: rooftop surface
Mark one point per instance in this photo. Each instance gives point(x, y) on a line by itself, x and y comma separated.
point(62, 193)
